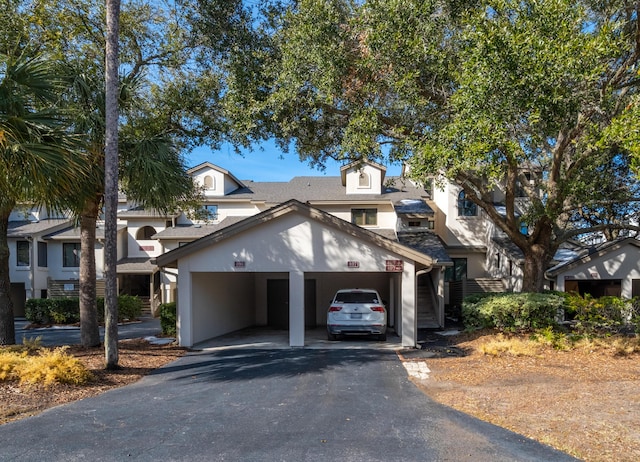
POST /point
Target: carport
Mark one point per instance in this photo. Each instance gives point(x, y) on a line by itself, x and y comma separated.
point(280, 268)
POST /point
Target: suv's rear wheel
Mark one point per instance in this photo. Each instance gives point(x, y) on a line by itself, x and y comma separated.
point(382, 337)
point(332, 337)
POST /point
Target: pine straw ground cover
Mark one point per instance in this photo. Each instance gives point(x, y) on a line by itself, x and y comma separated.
point(136, 358)
point(584, 401)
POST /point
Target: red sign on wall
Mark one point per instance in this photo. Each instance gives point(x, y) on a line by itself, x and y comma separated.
point(395, 266)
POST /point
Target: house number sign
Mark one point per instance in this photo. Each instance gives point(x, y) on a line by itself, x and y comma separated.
point(353, 264)
point(394, 266)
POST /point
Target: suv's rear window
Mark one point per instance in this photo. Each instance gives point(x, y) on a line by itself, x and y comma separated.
point(357, 297)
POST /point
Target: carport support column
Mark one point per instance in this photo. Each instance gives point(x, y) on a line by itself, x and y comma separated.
point(296, 309)
point(409, 318)
point(184, 307)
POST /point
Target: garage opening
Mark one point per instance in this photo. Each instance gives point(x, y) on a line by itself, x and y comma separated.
point(595, 288)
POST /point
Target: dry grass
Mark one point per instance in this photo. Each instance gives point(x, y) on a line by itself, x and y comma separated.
point(582, 398)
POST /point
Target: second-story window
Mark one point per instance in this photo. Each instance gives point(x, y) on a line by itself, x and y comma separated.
point(212, 211)
point(457, 272)
point(364, 217)
point(22, 253)
point(208, 182)
point(71, 254)
point(466, 208)
point(145, 233)
point(42, 254)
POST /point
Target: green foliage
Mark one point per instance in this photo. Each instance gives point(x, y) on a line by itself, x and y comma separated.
point(604, 314)
point(52, 310)
point(556, 338)
point(508, 94)
point(511, 311)
point(168, 318)
point(67, 310)
point(129, 307)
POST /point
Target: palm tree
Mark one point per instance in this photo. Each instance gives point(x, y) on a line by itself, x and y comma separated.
point(146, 155)
point(111, 183)
point(38, 160)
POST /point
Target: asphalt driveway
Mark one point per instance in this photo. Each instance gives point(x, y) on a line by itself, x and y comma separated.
point(250, 404)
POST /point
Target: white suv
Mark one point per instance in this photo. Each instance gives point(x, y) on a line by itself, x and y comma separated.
point(357, 311)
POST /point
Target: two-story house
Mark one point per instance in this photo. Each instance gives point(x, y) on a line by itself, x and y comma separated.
point(273, 253)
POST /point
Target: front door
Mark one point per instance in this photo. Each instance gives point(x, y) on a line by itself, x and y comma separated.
point(278, 303)
point(310, 303)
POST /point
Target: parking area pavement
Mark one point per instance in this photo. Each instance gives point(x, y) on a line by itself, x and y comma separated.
point(70, 335)
point(264, 404)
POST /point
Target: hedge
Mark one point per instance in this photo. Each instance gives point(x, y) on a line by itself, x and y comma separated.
point(511, 311)
point(67, 310)
point(585, 314)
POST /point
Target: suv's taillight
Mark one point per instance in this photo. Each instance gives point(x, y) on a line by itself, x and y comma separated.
point(335, 308)
point(378, 308)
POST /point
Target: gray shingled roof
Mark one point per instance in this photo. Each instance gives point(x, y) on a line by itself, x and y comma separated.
point(509, 248)
point(135, 265)
point(413, 208)
point(195, 231)
point(28, 228)
point(322, 188)
point(73, 233)
point(426, 242)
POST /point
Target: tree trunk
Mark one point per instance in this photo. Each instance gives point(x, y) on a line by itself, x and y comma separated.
point(89, 331)
point(111, 185)
point(536, 261)
point(7, 323)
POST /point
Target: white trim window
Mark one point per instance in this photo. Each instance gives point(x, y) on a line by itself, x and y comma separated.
point(364, 217)
point(22, 253)
point(71, 255)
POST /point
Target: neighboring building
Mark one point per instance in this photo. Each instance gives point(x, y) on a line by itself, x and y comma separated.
point(609, 268)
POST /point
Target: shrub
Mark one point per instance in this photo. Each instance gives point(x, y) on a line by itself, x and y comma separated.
point(129, 307)
point(65, 310)
point(609, 314)
point(45, 367)
point(168, 318)
point(511, 311)
point(36, 310)
point(57, 310)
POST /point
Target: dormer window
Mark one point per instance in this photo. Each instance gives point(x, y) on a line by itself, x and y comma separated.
point(364, 180)
point(209, 182)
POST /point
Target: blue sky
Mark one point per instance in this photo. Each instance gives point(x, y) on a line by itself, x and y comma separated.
point(265, 163)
